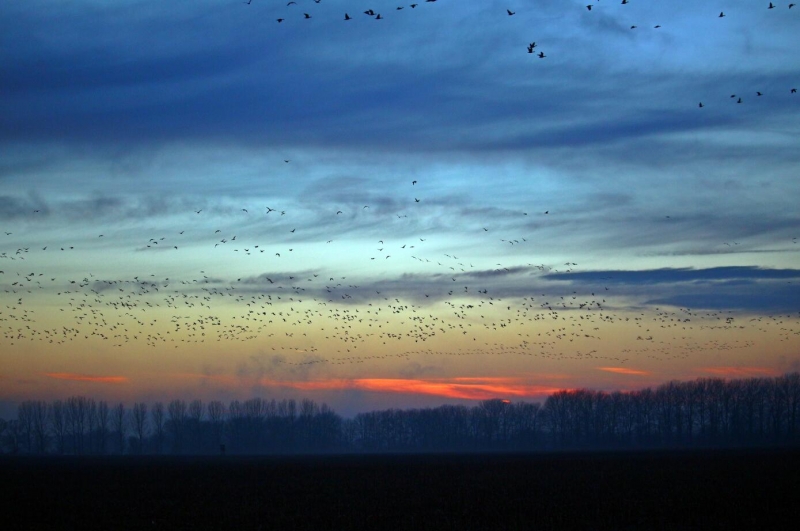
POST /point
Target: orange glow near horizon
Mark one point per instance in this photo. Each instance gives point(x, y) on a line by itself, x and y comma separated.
point(624, 370)
point(477, 389)
point(86, 377)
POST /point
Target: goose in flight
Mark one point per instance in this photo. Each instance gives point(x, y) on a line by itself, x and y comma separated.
point(514, 12)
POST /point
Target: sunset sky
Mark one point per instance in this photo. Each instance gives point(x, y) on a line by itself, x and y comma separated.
point(199, 201)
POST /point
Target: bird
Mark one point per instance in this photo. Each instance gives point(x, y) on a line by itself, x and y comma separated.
point(771, 6)
point(542, 55)
point(793, 91)
point(589, 7)
point(306, 15)
point(347, 17)
point(511, 12)
point(721, 14)
point(701, 105)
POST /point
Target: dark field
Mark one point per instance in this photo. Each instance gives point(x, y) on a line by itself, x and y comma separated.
point(653, 490)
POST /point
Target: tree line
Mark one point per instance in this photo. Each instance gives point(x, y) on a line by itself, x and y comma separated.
point(704, 412)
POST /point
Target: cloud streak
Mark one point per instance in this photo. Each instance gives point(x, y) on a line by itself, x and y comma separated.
point(86, 378)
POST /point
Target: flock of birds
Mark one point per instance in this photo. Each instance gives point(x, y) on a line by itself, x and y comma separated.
point(530, 46)
point(312, 317)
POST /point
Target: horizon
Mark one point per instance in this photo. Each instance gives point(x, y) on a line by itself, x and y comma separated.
point(199, 201)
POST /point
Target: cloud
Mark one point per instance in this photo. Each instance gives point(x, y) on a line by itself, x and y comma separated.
point(456, 388)
point(86, 377)
point(676, 275)
point(624, 370)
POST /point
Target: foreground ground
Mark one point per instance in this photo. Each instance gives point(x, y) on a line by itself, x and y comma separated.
point(651, 490)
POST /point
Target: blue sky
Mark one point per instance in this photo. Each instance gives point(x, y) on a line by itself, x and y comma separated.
point(459, 161)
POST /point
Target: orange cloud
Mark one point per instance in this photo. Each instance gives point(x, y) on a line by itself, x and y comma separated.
point(740, 372)
point(623, 370)
point(464, 388)
point(86, 377)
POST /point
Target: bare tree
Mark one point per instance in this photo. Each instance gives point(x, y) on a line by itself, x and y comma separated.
point(195, 426)
point(216, 415)
point(12, 436)
point(77, 409)
point(118, 425)
point(178, 415)
point(3, 425)
point(139, 424)
point(102, 426)
point(25, 425)
point(58, 424)
point(91, 424)
point(158, 419)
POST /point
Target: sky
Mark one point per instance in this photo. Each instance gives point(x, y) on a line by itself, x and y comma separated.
point(453, 202)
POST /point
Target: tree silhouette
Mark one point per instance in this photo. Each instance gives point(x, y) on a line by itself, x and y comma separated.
point(118, 425)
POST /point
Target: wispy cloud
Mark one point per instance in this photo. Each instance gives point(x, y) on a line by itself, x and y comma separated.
point(86, 377)
point(625, 370)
